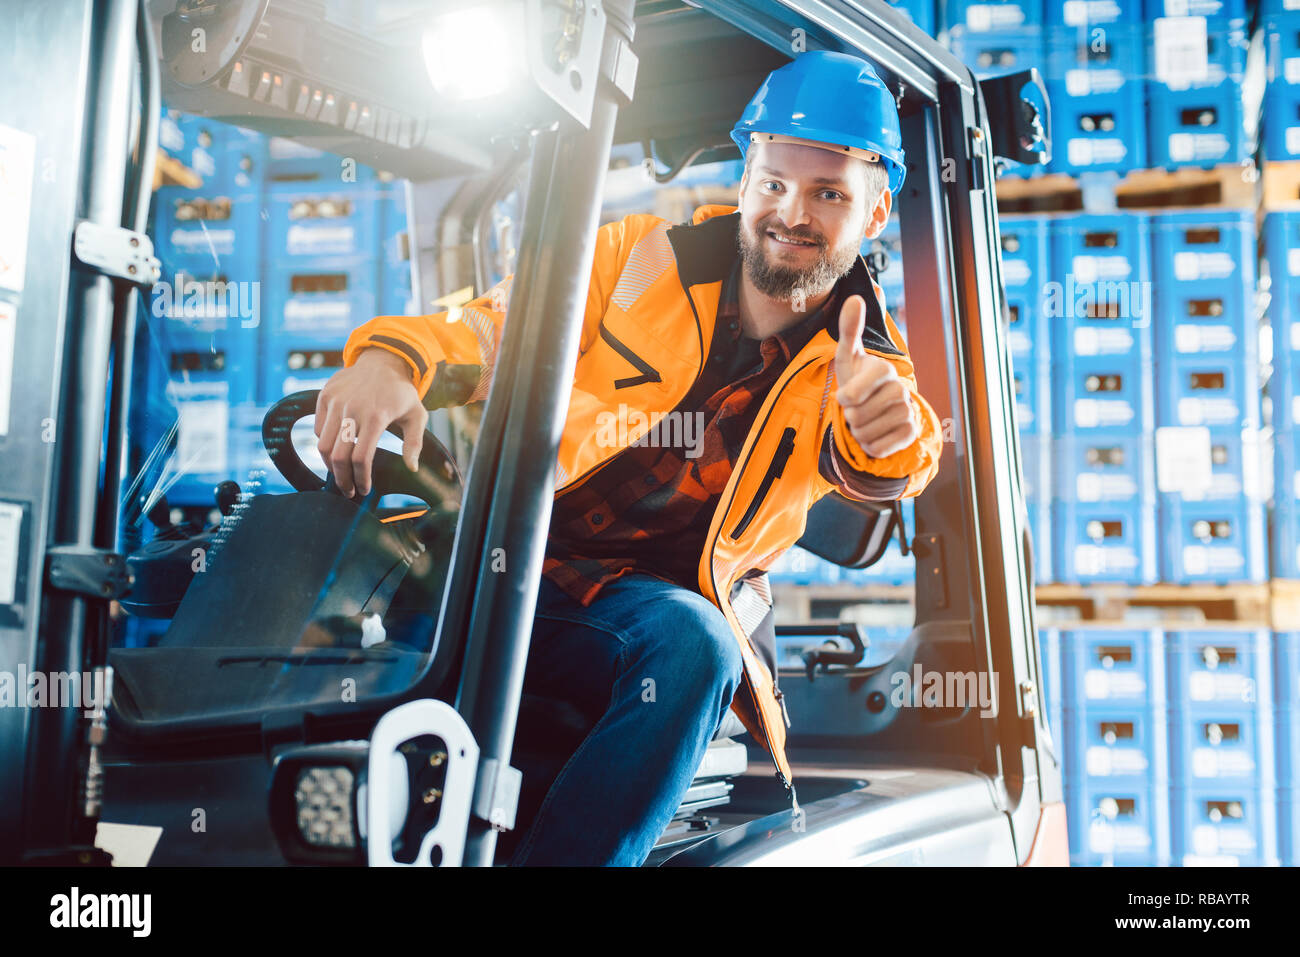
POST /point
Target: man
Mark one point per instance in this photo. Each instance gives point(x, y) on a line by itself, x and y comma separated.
point(757, 345)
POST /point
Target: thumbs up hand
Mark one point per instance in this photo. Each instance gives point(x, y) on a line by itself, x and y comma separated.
point(877, 404)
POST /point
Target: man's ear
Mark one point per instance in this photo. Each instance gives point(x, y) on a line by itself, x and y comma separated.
point(879, 216)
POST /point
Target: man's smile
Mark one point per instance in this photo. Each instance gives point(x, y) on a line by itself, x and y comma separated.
point(789, 240)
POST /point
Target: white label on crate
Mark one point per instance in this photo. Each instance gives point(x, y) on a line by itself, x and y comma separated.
point(1095, 152)
point(1183, 460)
point(310, 240)
point(1021, 344)
point(1292, 139)
point(1212, 559)
point(1092, 268)
point(1091, 341)
point(1079, 82)
point(170, 136)
point(1102, 560)
point(201, 446)
point(983, 17)
point(1204, 338)
point(1194, 265)
point(1092, 487)
point(1080, 12)
point(1193, 411)
point(1015, 272)
point(203, 239)
point(1025, 413)
point(1189, 147)
point(1096, 683)
point(1205, 686)
point(1181, 50)
point(1205, 840)
point(1102, 413)
point(1295, 485)
point(1291, 4)
point(11, 526)
point(1291, 69)
point(1103, 761)
point(1218, 763)
point(201, 162)
point(17, 165)
point(302, 314)
point(1293, 269)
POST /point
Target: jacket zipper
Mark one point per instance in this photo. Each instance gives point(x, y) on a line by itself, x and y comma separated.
point(774, 471)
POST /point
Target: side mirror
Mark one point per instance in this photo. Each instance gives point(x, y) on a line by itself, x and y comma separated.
point(1020, 117)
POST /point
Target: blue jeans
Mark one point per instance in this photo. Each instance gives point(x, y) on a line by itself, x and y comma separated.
point(655, 665)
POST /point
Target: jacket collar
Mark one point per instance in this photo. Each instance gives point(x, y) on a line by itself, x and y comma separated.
point(706, 250)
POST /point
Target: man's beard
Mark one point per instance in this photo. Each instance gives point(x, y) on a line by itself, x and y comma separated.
point(778, 281)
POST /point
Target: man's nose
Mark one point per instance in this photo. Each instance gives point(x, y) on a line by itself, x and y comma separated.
point(792, 211)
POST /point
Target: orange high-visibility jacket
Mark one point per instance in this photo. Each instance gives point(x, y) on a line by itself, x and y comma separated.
point(651, 308)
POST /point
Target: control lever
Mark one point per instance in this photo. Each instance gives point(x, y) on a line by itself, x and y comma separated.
point(830, 653)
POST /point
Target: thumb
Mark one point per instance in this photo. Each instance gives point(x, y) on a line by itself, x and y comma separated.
point(413, 424)
point(853, 317)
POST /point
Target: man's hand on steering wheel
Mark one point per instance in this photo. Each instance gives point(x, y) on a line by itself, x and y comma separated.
point(354, 408)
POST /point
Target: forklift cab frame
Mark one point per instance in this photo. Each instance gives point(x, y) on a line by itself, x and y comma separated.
point(897, 788)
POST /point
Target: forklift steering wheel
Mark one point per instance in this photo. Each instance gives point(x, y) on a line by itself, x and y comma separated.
point(438, 482)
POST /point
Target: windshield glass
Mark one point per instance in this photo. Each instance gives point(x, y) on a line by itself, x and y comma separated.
point(251, 593)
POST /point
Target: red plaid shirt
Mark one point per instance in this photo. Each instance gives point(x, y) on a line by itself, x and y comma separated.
point(649, 509)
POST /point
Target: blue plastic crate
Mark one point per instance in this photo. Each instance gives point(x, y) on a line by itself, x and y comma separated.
point(1023, 248)
point(1280, 129)
point(290, 367)
point(1228, 824)
point(1104, 543)
point(1036, 457)
point(1209, 390)
point(242, 159)
point(203, 231)
point(1220, 9)
point(976, 16)
point(921, 12)
point(1196, 115)
point(1102, 395)
point(996, 52)
point(1213, 542)
point(1118, 823)
point(1104, 468)
point(1203, 272)
point(1096, 90)
point(1082, 14)
point(320, 305)
point(1286, 685)
point(1027, 332)
point(189, 308)
point(1219, 669)
point(322, 225)
point(1117, 744)
point(1032, 386)
point(1107, 669)
point(1212, 744)
point(1211, 465)
point(1049, 653)
point(290, 161)
point(1284, 520)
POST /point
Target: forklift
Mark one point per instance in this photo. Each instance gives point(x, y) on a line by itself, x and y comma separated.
point(342, 682)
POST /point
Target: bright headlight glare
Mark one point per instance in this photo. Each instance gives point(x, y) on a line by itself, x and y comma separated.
point(324, 800)
point(474, 52)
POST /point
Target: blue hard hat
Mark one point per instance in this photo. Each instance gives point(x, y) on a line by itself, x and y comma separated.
point(830, 98)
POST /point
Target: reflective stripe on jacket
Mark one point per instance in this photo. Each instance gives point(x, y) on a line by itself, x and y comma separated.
point(651, 305)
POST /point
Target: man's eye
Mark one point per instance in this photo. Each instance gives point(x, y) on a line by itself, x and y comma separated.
point(771, 183)
point(833, 194)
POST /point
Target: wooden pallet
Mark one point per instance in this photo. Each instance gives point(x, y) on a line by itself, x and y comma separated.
point(1242, 604)
point(1281, 186)
point(804, 603)
point(1285, 604)
point(1228, 186)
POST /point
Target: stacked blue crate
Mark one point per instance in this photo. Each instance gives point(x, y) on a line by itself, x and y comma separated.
point(1115, 728)
point(1049, 653)
point(1096, 61)
point(999, 37)
point(323, 241)
point(395, 289)
point(1223, 796)
point(920, 12)
point(1281, 236)
point(1197, 60)
point(1280, 132)
point(1098, 305)
point(1024, 269)
point(206, 313)
point(1207, 410)
point(1286, 700)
